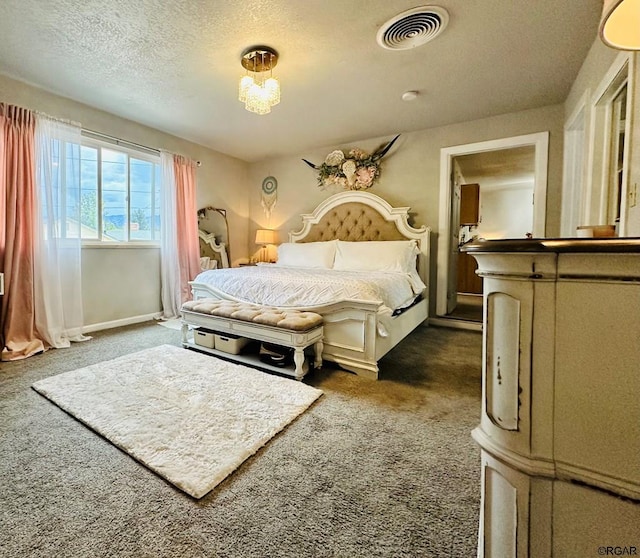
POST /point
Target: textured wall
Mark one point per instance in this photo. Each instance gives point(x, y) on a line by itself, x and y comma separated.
point(121, 283)
point(410, 172)
point(410, 177)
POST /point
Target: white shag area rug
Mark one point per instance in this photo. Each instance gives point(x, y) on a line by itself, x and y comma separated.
point(191, 418)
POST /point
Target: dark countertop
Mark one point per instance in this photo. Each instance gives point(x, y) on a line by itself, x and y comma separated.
point(558, 245)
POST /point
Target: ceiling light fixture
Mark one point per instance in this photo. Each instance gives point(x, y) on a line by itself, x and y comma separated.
point(620, 24)
point(259, 91)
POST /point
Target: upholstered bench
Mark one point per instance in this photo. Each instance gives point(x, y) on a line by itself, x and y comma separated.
point(295, 329)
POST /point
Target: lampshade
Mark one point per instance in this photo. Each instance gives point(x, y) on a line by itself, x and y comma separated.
point(266, 236)
point(256, 90)
point(620, 24)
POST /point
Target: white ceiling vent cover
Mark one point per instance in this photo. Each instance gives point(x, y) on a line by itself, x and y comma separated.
point(413, 28)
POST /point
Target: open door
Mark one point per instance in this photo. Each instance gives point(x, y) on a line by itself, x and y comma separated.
point(451, 181)
point(452, 283)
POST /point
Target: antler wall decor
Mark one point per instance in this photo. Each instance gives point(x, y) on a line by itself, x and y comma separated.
point(357, 170)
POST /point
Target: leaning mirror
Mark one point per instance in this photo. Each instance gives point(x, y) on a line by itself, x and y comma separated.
point(213, 233)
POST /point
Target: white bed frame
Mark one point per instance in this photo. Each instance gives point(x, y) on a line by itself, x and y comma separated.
point(356, 336)
point(217, 247)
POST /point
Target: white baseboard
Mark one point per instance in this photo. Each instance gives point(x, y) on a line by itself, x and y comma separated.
point(455, 324)
point(122, 322)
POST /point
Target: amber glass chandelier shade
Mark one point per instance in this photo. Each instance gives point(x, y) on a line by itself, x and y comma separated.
point(259, 90)
point(620, 24)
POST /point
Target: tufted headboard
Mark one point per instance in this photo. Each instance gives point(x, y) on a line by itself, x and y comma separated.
point(353, 221)
point(362, 216)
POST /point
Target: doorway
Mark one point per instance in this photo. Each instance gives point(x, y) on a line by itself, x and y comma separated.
point(512, 170)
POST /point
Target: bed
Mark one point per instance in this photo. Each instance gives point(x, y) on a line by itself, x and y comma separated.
point(372, 292)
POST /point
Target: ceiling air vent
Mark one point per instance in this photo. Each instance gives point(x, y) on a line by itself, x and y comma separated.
point(413, 28)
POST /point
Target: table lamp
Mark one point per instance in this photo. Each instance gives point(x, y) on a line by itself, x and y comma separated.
point(263, 238)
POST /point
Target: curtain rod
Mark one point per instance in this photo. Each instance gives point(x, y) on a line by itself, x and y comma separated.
point(56, 119)
point(118, 141)
point(124, 143)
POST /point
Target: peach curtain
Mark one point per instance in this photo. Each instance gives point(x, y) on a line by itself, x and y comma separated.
point(17, 232)
point(180, 249)
point(187, 223)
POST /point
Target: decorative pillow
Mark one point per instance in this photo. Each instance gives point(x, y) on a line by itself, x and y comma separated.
point(390, 255)
point(307, 254)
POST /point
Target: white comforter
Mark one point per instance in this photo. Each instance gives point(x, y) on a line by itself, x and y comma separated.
point(272, 285)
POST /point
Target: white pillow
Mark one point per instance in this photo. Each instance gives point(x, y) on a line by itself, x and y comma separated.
point(307, 254)
point(389, 255)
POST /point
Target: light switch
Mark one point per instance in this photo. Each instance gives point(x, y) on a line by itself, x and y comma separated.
point(633, 195)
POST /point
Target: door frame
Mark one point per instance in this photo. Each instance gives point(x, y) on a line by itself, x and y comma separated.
point(574, 172)
point(540, 141)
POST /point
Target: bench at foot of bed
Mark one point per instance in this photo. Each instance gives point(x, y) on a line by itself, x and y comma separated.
point(293, 329)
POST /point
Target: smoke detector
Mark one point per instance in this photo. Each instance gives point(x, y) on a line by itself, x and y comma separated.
point(409, 96)
point(413, 28)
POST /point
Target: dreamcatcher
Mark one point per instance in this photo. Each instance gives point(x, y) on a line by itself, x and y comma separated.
point(269, 195)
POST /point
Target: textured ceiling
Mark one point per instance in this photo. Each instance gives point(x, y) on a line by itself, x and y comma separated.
point(174, 65)
point(514, 167)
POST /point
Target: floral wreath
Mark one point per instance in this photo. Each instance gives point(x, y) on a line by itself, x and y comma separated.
point(357, 170)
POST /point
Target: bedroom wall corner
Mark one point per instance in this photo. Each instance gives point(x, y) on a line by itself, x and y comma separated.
point(223, 183)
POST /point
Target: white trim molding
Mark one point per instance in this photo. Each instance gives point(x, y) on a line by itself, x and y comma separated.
point(541, 142)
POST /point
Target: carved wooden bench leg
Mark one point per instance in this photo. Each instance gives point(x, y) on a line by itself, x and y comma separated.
point(317, 348)
point(298, 359)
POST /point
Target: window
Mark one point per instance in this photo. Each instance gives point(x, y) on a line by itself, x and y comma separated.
point(104, 193)
point(120, 193)
point(60, 211)
point(608, 177)
point(617, 164)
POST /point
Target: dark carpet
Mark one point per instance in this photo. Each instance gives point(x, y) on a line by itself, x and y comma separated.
point(384, 468)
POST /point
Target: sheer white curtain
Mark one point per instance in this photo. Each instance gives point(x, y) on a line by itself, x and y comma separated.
point(57, 258)
point(169, 259)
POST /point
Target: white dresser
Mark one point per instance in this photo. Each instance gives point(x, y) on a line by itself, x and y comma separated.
point(561, 383)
